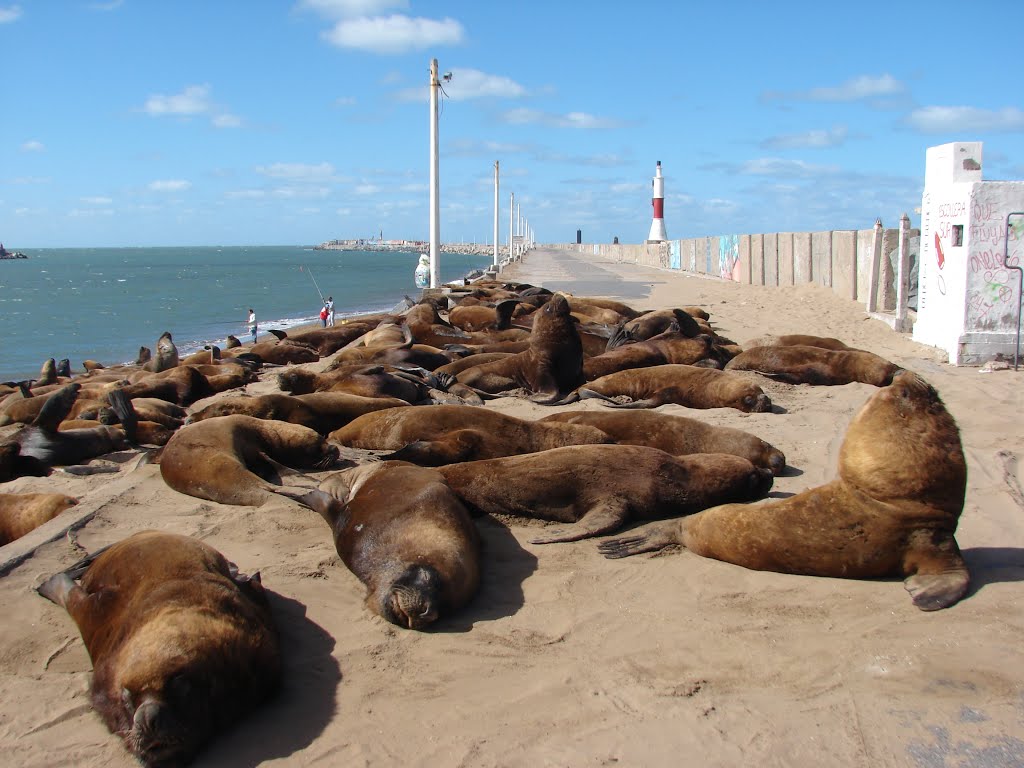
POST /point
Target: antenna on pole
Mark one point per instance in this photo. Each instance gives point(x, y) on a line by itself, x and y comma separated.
point(435, 205)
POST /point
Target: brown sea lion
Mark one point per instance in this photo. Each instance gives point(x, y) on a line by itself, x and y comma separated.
point(24, 512)
point(182, 385)
point(685, 385)
point(92, 365)
point(403, 532)
point(50, 447)
point(233, 459)
point(429, 328)
point(670, 346)
point(327, 341)
point(182, 644)
point(364, 380)
point(796, 340)
point(676, 435)
point(444, 434)
point(471, 361)
point(650, 324)
point(321, 411)
point(281, 352)
point(166, 355)
point(598, 488)
point(481, 318)
point(892, 511)
point(551, 368)
point(814, 365)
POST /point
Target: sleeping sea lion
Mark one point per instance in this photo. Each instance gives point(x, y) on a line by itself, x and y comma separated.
point(445, 434)
point(233, 459)
point(403, 532)
point(24, 512)
point(598, 488)
point(181, 643)
point(322, 411)
point(676, 435)
point(685, 385)
point(892, 511)
point(815, 365)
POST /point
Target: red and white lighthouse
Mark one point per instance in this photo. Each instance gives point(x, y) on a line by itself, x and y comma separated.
point(658, 203)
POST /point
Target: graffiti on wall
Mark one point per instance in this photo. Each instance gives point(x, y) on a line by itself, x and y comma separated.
point(729, 257)
point(992, 288)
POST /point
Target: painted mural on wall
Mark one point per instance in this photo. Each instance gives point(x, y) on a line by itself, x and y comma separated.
point(675, 262)
point(729, 257)
point(992, 299)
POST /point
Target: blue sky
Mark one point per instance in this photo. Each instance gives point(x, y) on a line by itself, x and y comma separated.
point(131, 123)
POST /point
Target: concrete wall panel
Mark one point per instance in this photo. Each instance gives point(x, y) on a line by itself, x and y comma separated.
point(821, 258)
point(865, 246)
point(745, 259)
point(757, 259)
point(785, 258)
point(844, 263)
point(803, 265)
point(771, 259)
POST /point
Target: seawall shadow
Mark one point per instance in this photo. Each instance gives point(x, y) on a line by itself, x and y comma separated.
point(301, 709)
point(505, 565)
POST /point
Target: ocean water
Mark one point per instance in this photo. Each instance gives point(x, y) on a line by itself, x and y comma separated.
point(105, 303)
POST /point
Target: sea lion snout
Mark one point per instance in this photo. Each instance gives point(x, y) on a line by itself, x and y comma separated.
point(414, 597)
point(757, 404)
point(761, 481)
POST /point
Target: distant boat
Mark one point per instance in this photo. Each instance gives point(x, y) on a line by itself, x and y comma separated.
point(5, 254)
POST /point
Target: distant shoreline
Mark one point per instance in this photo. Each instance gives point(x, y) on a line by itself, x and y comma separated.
point(410, 246)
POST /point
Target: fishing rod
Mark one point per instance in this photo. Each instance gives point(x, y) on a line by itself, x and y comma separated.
point(303, 269)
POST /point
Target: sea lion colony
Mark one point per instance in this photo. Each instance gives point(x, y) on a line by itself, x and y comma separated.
point(412, 477)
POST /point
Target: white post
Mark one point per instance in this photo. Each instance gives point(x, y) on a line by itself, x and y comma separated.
point(494, 264)
point(874, 267)
point(903, 274)
point(511, 226)
point(519, 227)
point(435, 204)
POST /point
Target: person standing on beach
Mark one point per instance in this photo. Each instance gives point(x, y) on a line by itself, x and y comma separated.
point(330, 310)
point(323, 315)
point(252, 324)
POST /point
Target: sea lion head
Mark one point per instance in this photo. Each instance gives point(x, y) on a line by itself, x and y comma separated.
point(414, 599)
point(904, 444)
point(179, 686)
point(756, 403)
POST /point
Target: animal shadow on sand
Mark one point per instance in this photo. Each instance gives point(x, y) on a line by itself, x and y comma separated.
point(300, 711)
point(505, 565)
point(993, 565)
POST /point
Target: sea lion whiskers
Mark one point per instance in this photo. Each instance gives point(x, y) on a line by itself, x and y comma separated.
point(413, 598)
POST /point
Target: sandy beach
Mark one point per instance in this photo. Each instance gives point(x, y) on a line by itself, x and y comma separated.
point(566, 658)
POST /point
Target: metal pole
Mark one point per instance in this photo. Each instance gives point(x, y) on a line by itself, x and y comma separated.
point(1020, 283)
point(495, 260)
point(435, 205)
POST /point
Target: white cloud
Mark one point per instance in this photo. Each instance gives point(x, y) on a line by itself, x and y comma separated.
point(96, 200)
point(194, 100)
point(857, 88)
point(169, 185)
point(298, 172)
point(345, 101)
point(366, 189)
point(777, 167)
point(349, 8)
point(10, 13)
point(469, 84)
point(394, 34)
point(88, 213)
point(808, 140)
point(32, 146)
point(301, 193)
point(226, 120)
point(966, 120)
point(526, 116)
point(113, 5)
point(247, 194)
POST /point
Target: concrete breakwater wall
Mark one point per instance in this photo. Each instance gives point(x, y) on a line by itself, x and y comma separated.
point(837, 259)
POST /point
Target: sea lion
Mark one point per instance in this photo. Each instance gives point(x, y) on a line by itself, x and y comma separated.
point(650, 324)
point(892, 510)
point(471, 361)
point(24, 512)
point(50, 447)
point(233, 459)
point(445, 434)
point(796, 340)
point(181, 643)
point(327, 341)
point(364, 380)
point(92, 365)
point(551, 368)
point(321, 411)
point(280, 352)
point(670, 346)
point(405, 534)
point(182, 385)
point(166, 355)
point(685, 385)
point(676, 435)
point(481, 318)
point(815, 365)
point(598, 488)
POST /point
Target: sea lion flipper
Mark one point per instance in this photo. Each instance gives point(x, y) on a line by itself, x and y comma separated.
point(603, 518)
point(57, 588)
point(321, 502)
point(647, 538)
point(122, 406)
point(932, 591)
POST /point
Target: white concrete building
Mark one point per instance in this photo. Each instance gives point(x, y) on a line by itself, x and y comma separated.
point(968, 300)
